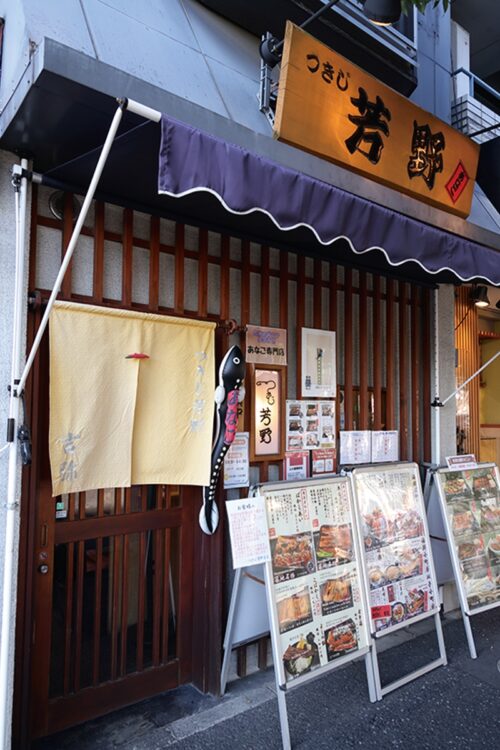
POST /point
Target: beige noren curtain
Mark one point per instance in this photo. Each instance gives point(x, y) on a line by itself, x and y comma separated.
point(115, 421)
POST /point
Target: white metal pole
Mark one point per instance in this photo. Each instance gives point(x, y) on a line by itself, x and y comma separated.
point(12, 481)
point(72, 243)
point(436, 404)
point(17, 388)
point(140, 109)
point(491, 359)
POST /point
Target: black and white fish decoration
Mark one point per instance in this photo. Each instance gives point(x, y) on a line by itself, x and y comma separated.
point(228, 394)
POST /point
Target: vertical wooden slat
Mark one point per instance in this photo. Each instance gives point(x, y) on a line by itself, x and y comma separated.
point(241, 661)
point(82, 505)
point(348, 391)
point(426, 373)
point(245, 282)
point(67, 230)
point(403, 373)
point(283, 289)
point(158, 571)
point(264, 285)
point(363, 353)
point(79, 614)
point(128, 235)
point(96, 660)
point(154, 263)
point(141, 599)
point(68, 619)
point(33, 238)
point(165, 598)
point(115, 605)
point(390, 357)
point(332, 314)
point(179, 269)
point(124, 605)
point(100, 503)
point(224, 278)
point(300, 317)
point(317, 294)
point(415, 380)
point(301, 293)
point(71, 506)
point(377, 356)
point(99, 252)
point(202, 272)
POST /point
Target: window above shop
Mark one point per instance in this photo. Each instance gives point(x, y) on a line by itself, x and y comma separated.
point(389, 53)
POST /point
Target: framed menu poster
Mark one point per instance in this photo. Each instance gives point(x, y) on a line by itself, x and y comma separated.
point(314, 585)
point(400, 578)
point(470, 503)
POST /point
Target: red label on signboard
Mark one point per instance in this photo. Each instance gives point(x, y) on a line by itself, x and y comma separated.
point(457, 182)
point(378, 613)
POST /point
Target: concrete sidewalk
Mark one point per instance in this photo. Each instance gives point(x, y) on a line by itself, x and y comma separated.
point(457, 706)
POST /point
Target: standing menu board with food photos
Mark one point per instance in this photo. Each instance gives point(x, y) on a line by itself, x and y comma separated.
point(315, 590)
point(470, 501)
point(400, 578)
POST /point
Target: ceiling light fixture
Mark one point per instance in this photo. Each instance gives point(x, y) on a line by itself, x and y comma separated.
point(382, 12)
point(479, 296)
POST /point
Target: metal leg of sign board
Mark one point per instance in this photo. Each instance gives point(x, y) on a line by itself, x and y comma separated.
point(228, 637)
point(370, 678)
point(440, 662)
point(469, 634)
point(242, 609)
point(285, 729)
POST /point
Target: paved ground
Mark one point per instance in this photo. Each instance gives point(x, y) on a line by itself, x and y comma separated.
point(457, 706)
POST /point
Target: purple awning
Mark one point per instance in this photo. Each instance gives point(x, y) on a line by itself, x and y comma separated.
point(192, 160)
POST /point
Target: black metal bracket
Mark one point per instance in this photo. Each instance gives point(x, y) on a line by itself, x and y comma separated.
point(270, 48)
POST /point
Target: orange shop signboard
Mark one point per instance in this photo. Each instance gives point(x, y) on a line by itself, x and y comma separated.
point(332, 108)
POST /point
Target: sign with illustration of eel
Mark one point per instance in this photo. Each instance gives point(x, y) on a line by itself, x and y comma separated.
point(228, 394)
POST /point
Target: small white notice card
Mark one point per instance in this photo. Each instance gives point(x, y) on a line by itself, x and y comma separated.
point(248, 531)
point(462, 462)
point(385, 446)
point(355, 447)
point(236, 463)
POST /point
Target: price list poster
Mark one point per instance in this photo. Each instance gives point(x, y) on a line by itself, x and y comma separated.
point(316, 587)
point(471, 501)
point(400, 576)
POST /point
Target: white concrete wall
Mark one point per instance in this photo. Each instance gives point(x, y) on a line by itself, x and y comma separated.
point(7, 277)
point(447, 375)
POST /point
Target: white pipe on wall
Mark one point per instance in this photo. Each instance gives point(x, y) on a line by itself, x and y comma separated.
point(12, 482)
point(436, 404)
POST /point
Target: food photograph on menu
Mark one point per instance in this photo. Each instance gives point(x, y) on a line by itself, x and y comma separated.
point(295, 610)
point(292, 556)
point(316, 586)
point(341, 639)
point(396, 548)
point(336, 594)
point(471, 501)
point(333, 545)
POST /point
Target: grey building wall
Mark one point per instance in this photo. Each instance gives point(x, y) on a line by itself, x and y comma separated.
point(7, 279)
point(434, 62)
